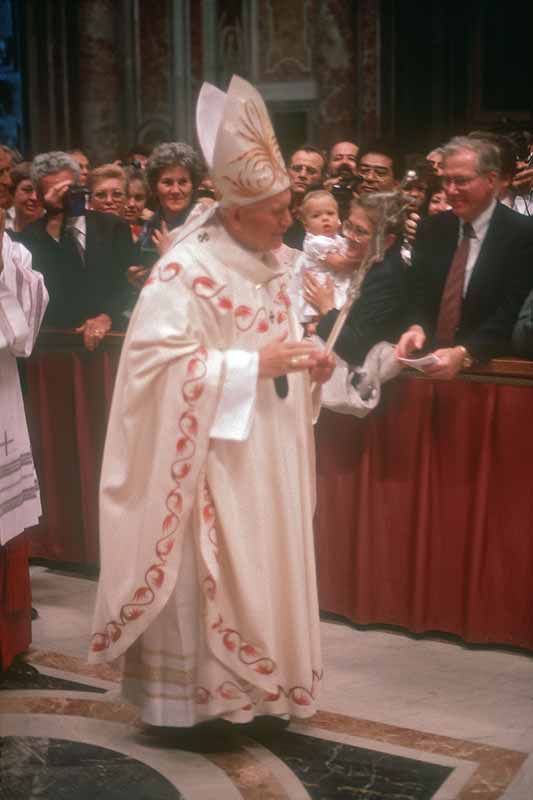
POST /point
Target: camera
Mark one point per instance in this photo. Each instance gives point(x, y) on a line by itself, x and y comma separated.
point(74, 201)
point(343, 189)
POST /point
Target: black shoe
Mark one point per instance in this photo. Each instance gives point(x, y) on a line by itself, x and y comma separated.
point(212, 736)
point(264, 727)
point(34, 614)
point(18, 673)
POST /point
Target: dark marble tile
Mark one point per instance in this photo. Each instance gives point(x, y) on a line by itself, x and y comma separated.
point(57, 769)
point(335, 771)
point(15, 681)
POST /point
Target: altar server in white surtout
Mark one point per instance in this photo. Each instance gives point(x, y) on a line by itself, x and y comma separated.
point(23, 300)
point(208, 579)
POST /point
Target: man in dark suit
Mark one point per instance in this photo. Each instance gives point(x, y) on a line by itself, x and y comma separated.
point(83, 255)
point(471, 267)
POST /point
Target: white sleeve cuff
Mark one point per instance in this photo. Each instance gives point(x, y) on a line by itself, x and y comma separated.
point(235, 411)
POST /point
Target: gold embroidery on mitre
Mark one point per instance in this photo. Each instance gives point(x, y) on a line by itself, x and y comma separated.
point(262, 163)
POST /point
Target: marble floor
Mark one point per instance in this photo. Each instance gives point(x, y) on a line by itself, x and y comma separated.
point(401, 717)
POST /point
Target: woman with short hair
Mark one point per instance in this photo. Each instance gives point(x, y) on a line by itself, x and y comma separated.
point(27, 205)
point(107, 189)
point(174, 172)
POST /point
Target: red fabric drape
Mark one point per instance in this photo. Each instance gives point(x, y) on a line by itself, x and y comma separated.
point(15, 600)
point(424, 508)
point(424, 515)
point(69, 394)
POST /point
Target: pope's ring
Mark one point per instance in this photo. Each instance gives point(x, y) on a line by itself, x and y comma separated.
point(294, 361)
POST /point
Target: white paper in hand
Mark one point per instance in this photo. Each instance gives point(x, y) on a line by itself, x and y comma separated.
point(421, 363)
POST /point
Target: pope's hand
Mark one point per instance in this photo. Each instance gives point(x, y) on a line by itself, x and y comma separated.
point(323, 369)
point(281, 357)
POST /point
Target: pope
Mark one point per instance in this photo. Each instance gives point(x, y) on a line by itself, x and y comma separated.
point(208, 583)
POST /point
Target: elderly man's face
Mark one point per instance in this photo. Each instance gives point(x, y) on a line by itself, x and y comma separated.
point(305, 170)
point(343, 158)
point(377, 173)
point(6, 199)
point(468, 192)
point(261, 226)
point(84, 165)
point(435, 159)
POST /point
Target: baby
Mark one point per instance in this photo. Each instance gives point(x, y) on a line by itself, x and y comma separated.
point(324, 253)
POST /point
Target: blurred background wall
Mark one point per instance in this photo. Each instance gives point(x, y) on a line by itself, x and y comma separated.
point(103, 74)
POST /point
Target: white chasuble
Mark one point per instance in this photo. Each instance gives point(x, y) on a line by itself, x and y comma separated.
point(23, 301)
point(208, 580)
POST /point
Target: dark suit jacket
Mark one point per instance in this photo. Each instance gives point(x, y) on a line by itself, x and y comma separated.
point(378, 314)
point(295, 235)
point(80, 289)
point(499, 283)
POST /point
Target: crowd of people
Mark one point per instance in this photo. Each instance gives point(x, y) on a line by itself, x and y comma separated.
point(454, 282)
point(94, 232)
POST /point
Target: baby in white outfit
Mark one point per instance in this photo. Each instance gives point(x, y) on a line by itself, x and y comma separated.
point(324, 253)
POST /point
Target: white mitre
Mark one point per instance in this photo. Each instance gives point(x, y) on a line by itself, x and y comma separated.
point(239, 144)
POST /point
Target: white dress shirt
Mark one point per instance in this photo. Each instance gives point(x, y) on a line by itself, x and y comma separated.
point(480, 227)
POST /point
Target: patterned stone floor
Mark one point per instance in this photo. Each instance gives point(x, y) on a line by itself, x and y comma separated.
point(401, 718)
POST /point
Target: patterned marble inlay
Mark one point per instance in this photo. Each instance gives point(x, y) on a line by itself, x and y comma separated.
point(329, 756)
point(497, 766)
point(54, 768)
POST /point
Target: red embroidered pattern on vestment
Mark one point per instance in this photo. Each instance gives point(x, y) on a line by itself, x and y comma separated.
point(228, 690)
point(245, 318)
point(192, 389)
point(164, 272)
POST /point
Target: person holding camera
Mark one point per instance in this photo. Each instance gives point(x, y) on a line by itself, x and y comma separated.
point(343, 179)
point(83, 255)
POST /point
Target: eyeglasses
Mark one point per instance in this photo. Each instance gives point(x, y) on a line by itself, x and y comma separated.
point(114, 195)
point(460, 181)
point(354, 232)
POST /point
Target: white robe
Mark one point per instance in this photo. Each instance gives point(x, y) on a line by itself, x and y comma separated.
point(23, 300)
point(208, 580)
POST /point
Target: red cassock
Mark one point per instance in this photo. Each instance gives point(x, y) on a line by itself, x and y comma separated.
point(15, 600)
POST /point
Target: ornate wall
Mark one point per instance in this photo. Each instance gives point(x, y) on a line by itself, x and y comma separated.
point(130, 70)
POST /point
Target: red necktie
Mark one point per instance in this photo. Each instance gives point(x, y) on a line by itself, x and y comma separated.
point(452, 296)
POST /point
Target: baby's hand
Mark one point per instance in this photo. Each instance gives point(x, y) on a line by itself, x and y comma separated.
point(340, 263)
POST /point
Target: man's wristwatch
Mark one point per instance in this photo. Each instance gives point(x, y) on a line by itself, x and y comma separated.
point(468, 360)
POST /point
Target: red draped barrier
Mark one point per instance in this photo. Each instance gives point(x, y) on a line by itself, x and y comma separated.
point(69, 394)
point(424, 507)
point(424, 514)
